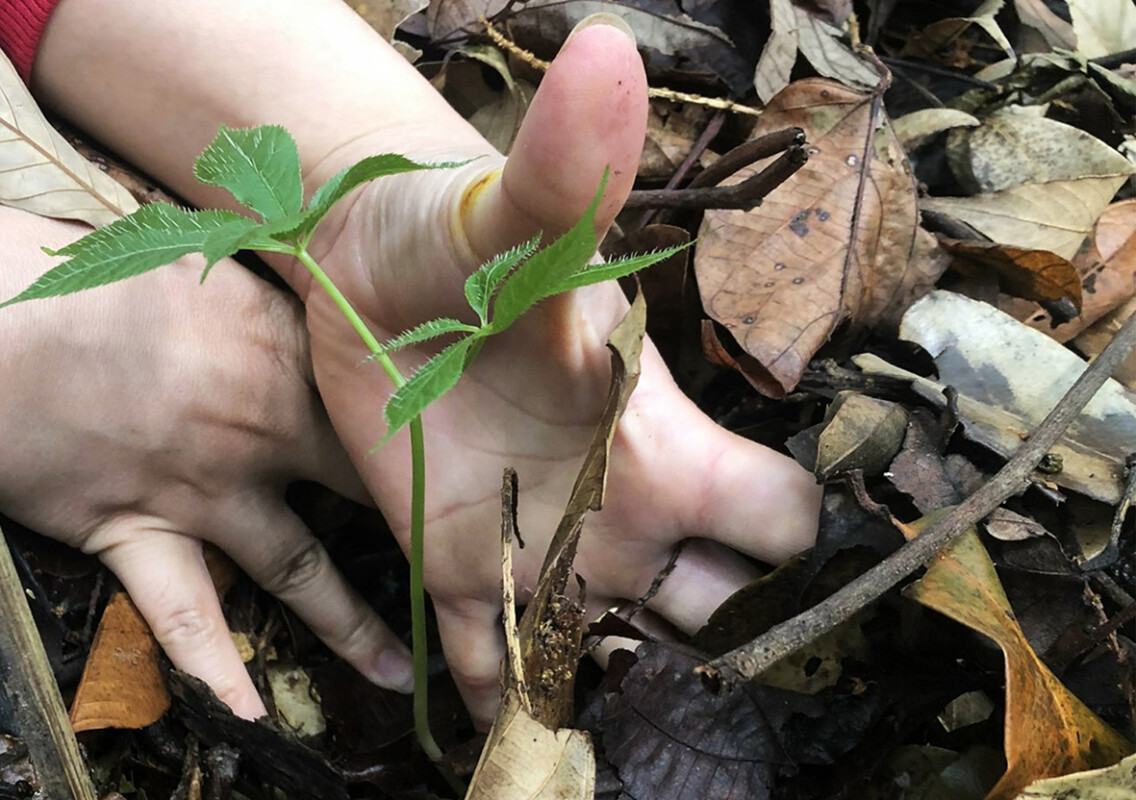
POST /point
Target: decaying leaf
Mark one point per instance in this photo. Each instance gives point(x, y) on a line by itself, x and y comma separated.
point(1043, 183)
point(780, 51)
point(122, 685)
point(1049, 731)
point(446, 19)
point(671, 738)
point(924, 772)
point(496, 113)
point(840, 239)
point(1117, 782)
point(1010, 526)
point(1009, 377)
point(862, 433)
point(819, 41)
point(1103, 27)
point(917, 127)
point(1029, 274)
point(41, 172)
point(531, 754)
point(524, 760)
point(1093, 340)
point(386, 15)
point(941, 35)
point(1106, 264)
point(297, 705)
point(671, 133)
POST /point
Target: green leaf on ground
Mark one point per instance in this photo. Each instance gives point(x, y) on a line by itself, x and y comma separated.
point(154, 235)
point(436, 377)
point(260, 167)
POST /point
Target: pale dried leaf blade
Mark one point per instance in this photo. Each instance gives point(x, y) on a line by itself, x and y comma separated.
point(820, 43)
point(917, 127)
point(1103, 27)
point(523, 760)
point(1037, 15)
point(40, 172)
point(780, 51)
point(1117, 782)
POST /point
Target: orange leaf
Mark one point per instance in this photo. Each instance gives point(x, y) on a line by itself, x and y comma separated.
point(1049, 732)
point(1030, 274)
point(122, 684)
point(840, 239)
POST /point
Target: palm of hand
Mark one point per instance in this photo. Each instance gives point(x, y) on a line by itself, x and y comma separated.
point(534, 394)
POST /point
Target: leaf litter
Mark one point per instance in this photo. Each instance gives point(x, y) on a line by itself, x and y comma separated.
point(1025, 159)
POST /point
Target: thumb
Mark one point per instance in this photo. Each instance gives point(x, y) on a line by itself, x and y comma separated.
point(589, 114)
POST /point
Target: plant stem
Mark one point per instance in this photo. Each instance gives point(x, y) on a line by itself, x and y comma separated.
point(417, 509)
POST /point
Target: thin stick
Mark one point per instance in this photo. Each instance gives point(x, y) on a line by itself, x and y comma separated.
point(34, 694)
point(539, 64)
point(751, 659)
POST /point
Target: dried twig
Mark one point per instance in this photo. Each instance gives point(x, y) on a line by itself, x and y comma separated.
point(745, 195)
point(31, 687)
point(539, 64)
point(751, 659)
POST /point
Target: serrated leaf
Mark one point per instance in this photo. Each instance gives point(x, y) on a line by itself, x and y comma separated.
point(352, 177)
point(426, 331)
point(154, 235)
point(40, 172)
point(538, 277)
point(436, 377)
point(613, 270)
point(260, 167)
point(244, 234)
point(480, 285)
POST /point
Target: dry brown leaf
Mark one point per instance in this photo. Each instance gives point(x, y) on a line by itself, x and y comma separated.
point(1037, 15)
point(1010, 526)
point(122, 685)
point(671, 133)
point(1094, 339)
point(446, 18)
point(1106, 264)
point(840, 239)
point(386, 15)
point(1103, 27)
point(41, 172)
point(1008, 377)
point(1029, 274)
point(1117, 782)
point(942, 34)
point(861, 433)
point(1049, 731)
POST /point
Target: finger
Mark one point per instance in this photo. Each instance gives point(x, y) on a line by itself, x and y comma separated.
point(590, 113)
point(750, 497)
point(278, 552)
point(324, 459)
point(473, 639)
point(704, 576)
point(165, 575)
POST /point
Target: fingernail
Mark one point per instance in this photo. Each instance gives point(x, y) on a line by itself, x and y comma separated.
point(393, 670)
point(602, 18)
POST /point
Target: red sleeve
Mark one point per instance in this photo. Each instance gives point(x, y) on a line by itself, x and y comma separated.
point(21, 26)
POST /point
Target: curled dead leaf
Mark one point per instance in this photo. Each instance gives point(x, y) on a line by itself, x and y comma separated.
point(863, 433)
point(1049, 731)
point(840, 239)
point(1029, 274)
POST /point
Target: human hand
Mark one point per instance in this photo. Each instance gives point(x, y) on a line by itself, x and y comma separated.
point(400, 253)
point(143, 418)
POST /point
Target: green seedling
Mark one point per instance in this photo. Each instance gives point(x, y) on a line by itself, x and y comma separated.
point(260, 167)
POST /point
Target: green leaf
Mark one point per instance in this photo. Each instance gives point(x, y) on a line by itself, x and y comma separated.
point(244, 234)
point(154, 235)
point(436, 377)
point(538, 277)
point(479, 286)
point(426, 331)
point(352, 177)
point(260, 167)
point(612, 270)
